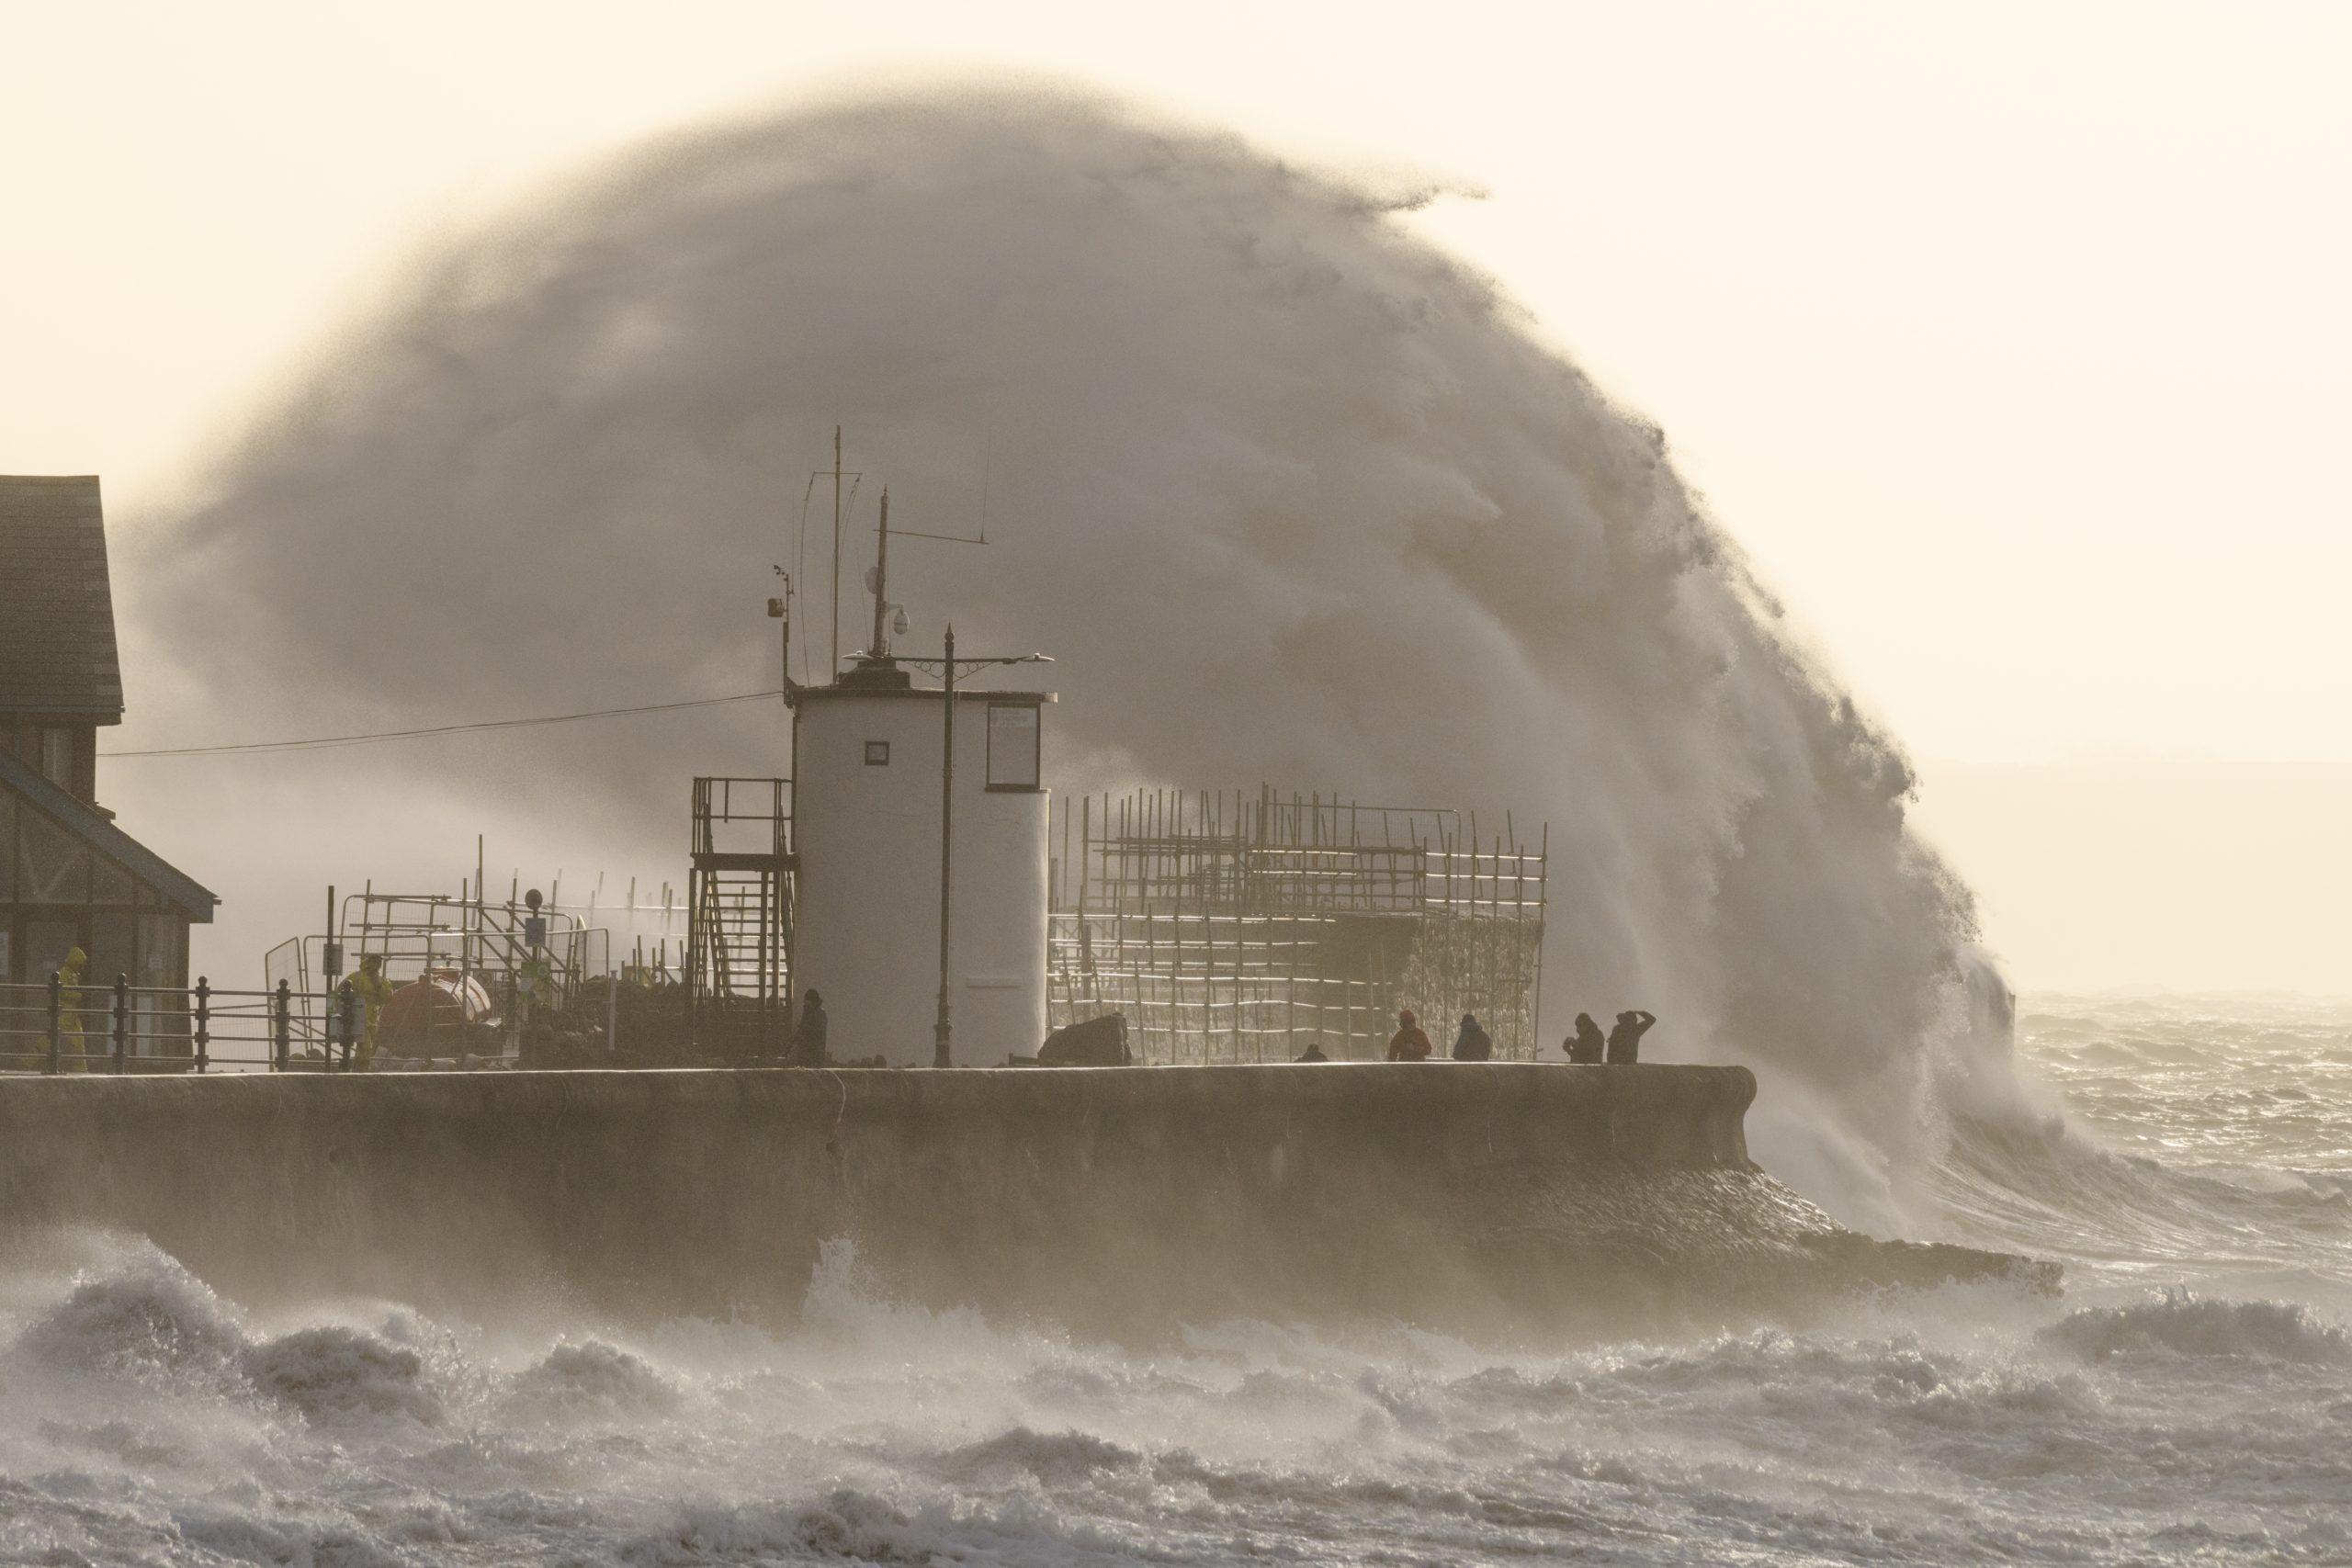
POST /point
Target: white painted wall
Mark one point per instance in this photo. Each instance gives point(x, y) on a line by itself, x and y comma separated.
point(867, 922)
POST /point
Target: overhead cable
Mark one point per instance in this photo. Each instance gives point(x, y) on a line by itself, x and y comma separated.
point(324, 742)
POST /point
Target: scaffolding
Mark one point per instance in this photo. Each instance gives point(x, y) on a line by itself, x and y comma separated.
point(1233, 926)
point(465, 939)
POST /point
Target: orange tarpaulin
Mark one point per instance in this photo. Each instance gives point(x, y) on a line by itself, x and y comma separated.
point(432, 1010)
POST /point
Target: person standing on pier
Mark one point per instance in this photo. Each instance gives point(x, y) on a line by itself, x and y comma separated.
point(1471, 1043)
point(1625, 1040)
point(1409, 1043)
point(1584, 1047)
point(808, 1040)
point(373, 991)
point(69, 1013)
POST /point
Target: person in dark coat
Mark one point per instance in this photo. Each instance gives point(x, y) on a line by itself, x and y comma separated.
point(1625, 1040)
point(1471, 1043)
point(1584, 1047)
point(808, 1040)
point(1314, 1053)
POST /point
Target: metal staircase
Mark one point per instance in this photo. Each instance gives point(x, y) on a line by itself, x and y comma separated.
point(739, 938)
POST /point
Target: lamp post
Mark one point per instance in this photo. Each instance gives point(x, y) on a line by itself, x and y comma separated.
point(941, 1055)
point(942, 1051)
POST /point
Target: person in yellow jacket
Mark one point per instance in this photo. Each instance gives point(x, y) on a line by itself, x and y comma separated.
point(373, 991)
point(69, 1013)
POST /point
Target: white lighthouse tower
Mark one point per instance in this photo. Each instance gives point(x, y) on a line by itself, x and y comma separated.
point(875, 809)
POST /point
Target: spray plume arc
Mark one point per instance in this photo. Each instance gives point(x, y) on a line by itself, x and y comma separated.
point(1301, 498)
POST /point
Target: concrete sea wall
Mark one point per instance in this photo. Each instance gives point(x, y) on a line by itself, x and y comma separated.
point(1106, 1198)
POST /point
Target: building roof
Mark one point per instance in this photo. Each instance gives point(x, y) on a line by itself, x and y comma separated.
point(176, 886)
point(963, 694)
point(57, 647)
point(889, 677)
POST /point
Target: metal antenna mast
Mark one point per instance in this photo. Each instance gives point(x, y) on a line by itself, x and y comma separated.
point(877, 576)
point(833, 671)
point(842, 500)
point(881, 582)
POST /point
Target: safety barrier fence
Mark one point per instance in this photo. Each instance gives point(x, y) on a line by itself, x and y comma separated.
point(58, 1026)
point(413, 935)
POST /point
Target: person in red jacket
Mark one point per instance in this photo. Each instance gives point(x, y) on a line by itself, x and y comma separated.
point(1409, 1043)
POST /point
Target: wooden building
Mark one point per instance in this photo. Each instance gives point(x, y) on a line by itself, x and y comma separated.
point(69, 877)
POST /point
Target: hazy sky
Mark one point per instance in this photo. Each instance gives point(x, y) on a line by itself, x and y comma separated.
point(2014, 342)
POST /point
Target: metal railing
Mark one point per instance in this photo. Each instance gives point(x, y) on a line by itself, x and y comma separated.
point(764, 803)
point(58, 1026)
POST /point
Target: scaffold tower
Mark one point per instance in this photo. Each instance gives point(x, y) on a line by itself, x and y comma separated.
point(1231, 925)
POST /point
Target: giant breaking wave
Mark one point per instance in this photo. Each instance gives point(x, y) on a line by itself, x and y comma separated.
point(1290, 496)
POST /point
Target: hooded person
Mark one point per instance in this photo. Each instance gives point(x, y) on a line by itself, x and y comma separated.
point(373, 991)
point(1409, 1043)
point(1585, 1046)
point(1471, 1043)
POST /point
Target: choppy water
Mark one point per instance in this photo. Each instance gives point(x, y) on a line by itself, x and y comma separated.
point(2188, 1399)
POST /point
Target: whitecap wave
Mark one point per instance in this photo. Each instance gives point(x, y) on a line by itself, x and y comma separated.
point(150, 1319)
point(332, 1373)
point(2181, 1323)
point(592, 1379)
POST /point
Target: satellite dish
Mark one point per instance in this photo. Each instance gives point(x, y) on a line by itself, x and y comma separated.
point(873, 580)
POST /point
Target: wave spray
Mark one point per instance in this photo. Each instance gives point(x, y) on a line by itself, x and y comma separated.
point(1290, 496)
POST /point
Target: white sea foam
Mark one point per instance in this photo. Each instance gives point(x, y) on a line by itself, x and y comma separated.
point(2181, 1402)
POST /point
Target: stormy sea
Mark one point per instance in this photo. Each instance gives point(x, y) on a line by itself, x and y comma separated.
point(1290, 496)
point(2186, 1396)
